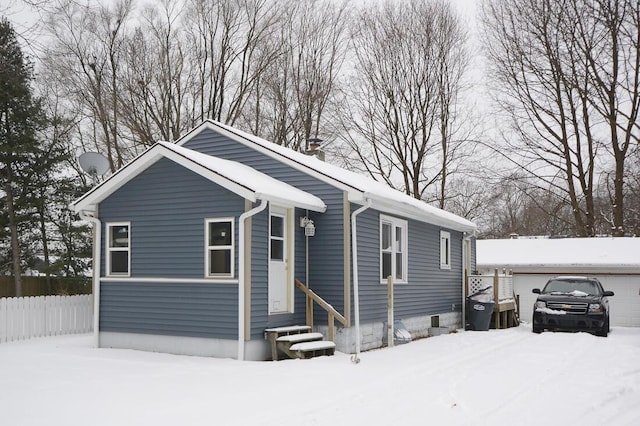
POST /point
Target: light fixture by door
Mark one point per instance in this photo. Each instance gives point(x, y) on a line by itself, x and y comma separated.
point(309, 227)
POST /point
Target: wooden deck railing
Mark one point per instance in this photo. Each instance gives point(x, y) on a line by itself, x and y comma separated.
point(501, 284)
point(313, 297)
point(506, 309)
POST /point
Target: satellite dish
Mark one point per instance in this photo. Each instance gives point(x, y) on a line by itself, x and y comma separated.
point(94, 164)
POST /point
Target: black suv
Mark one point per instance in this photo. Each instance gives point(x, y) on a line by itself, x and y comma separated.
point(572, 303)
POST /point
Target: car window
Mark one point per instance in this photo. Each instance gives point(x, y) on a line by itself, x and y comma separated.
point(569, 286)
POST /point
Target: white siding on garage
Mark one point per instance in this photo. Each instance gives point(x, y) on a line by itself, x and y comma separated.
point(625, 305)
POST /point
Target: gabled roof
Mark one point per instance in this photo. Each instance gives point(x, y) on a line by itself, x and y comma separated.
point(579, 254)
point(358, 187)
point(236, 177)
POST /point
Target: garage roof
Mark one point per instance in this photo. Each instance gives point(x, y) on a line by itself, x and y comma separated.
point(570, 254)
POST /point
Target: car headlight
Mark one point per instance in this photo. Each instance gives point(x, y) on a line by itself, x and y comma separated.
point(595, 308)
point(540, 304)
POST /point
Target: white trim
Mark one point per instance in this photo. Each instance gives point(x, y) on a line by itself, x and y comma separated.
point(97, 264)
point(143, 162)
point(288, 250)
point(178, 280)
point(395, 222)
point(208, 248)
point(356, 289)
point(411, 211)
point(445, 250)
point(158, 151)
point(242, 279)
point(109, 249)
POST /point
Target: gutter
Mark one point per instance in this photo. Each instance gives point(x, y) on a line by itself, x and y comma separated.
point(437, 217)
point(241, 278)
point(97, 244)
point(356, 292)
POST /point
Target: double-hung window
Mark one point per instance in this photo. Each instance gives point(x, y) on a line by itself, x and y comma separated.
point(445, 250)
point(393, 249)
point(219, 254)
point(118, 249)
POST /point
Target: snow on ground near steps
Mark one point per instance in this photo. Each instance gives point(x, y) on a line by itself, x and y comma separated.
point(472, 378)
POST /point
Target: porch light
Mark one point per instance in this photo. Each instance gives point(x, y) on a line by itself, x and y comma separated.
point(309, 227)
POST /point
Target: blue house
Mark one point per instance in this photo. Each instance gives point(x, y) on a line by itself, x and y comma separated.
point(204, 244)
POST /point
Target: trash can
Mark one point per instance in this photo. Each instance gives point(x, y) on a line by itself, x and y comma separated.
point(479, 309)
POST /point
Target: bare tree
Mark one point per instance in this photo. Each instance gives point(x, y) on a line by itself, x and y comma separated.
point(609, 40)
point(410, 58)
point(517, 206)
point(632, 209)
point(566, 74)
point(230, 47)
point(87, 55)
point(297, 88)
point(137, 81)
point(156, 78)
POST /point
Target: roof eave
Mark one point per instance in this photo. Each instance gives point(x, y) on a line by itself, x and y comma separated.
point(318, 206)
point(91, 199)
point(136, 166)
point(292, 162)
point(413, 212)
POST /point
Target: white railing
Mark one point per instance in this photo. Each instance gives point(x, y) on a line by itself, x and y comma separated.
point(505, 287)
point(26, 317)
point(478, 282)
point(504, 283)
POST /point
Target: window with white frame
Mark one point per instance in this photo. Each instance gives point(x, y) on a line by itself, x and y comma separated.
point(445, 250)
point(118, 249)
point(219, 248)
point(393, 249)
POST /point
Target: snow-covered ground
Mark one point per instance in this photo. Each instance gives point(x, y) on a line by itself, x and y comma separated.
point(473, 378)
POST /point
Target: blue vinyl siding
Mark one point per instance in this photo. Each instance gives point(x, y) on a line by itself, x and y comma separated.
point(182, 309)
point(430, 290)
point(373, 295)
point(167, 206)
point(326, 253)
point(259, 273)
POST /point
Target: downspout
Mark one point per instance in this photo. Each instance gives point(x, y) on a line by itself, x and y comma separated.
point(306, 256)
point(97, 244)
point(356, 292)
point(465, 237)
point(241, 278)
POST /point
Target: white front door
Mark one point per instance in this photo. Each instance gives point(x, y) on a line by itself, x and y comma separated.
point(280, 281)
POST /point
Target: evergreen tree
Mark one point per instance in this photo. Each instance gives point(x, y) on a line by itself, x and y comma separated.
point(21, 118)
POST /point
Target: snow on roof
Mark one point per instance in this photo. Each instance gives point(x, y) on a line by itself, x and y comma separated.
point(264, 186)
point(585, 253)
point(383, 197)
point(236, 177)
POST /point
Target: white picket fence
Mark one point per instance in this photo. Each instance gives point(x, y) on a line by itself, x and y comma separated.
point(26, 317)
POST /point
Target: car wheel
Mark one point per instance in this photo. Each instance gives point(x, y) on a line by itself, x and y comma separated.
point(604, 331)
point(537, 329)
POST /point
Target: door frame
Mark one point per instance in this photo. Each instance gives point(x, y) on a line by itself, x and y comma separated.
point(289, 253)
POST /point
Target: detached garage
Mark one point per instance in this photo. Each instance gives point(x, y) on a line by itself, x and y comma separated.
point(614, 261)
